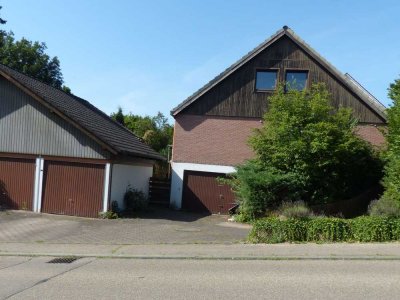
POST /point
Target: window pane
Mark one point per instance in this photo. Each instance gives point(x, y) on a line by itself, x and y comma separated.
point(296, 80)
point(266, 80)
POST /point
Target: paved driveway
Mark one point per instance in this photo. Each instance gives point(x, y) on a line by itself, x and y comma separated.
point(158, 226)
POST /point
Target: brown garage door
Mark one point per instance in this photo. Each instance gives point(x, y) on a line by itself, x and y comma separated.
point(74, 189)
point(203, 193)
point(16, 183)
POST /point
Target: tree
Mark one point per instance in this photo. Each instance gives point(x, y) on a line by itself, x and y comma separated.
point(2, 21)
point(306, 150)
point(155, 131)
point(391, 180)
point(31, 59)
point(119, 116)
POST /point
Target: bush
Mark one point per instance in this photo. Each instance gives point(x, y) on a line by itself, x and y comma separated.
point(273, 230)
point(297, 209)
point(134, 200)
point(371, 229)
point(257, 188)
point(384, 207)
point(305, 150)
point(108, 215)
point(328, 230)
point(321, 229)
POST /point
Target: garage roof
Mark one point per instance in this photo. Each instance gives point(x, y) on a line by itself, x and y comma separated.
point(114, 137)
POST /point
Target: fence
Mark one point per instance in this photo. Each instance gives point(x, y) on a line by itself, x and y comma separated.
point(159, 190)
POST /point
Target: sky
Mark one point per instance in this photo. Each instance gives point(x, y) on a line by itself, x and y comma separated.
point(148, 56)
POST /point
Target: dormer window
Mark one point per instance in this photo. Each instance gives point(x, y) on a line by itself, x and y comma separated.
point(266, 80)
point(296, 80)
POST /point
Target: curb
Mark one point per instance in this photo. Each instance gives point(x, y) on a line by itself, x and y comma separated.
point(161, 257)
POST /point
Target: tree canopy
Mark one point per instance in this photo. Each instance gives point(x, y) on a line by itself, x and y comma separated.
point(391, 179)
point(306, 150)
point(30, 58)
point(154, 130)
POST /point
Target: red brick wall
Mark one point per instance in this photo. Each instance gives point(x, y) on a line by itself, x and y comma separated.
point(223, 140)
point(212, 140)
point(372, 134)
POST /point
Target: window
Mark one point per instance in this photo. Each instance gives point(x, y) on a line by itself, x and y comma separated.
point(266, 80)
point(296, 80)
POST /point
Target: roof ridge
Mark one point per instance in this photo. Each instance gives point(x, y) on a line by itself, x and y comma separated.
point(81, 100)
point(378, 108)
point(86, 102)
point(33, 78)
point(90, 119)
point(228, 69)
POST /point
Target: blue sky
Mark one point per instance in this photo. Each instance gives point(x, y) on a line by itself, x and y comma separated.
point(148, 56)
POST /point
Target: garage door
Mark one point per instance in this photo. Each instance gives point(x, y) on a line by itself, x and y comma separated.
point(16, 183)
point(74, 189)
point(203, 193)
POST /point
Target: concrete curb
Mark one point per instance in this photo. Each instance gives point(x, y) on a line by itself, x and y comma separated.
point(161, 257)
point(383, 251)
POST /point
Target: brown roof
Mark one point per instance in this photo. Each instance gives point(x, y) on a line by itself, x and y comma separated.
point(347, 81)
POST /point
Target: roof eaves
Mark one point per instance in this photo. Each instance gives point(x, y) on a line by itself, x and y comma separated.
point(58, 111)
point(228, 71)
point(372, 102)
point(362, 93)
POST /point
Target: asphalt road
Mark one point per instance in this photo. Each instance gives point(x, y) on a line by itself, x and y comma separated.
point(91, 278)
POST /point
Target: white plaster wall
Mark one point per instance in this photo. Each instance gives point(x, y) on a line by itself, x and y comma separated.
point(177, 178)
point(124, 175)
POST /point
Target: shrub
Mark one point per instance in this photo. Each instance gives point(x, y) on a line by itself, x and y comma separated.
point(297, 209)
point(384, 207)
point(328, 230)
point(134, 200)
point(258, 189)
point(269, 230)
point(108, 215)
point(115, 207)
point(305, 150)
point(371, 229)
point(322, 229)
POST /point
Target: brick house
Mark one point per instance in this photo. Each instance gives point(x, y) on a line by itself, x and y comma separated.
point(213, 125)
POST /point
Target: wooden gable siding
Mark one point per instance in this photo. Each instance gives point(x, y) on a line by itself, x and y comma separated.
point(236, 96)
point(27, 127)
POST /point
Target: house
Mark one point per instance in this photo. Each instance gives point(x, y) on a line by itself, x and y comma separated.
point(59, 154)
point(213, 125)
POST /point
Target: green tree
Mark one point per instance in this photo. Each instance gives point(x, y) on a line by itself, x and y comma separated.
point(155, 131)
point(30, 58)
point(2, 21)
point(306, 150)
point(119, 116)
point(391, 180)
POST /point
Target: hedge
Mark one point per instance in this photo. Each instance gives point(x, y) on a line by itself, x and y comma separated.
point(323, 229)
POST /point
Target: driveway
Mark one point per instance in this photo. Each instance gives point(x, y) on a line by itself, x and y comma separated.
point(157, 226)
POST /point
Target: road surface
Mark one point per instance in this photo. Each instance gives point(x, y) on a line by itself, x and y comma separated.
point(96, 278)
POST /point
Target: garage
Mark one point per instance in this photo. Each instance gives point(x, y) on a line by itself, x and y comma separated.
point(74, 189)
point(58, 152)
point(16, 183)
point(203, 193)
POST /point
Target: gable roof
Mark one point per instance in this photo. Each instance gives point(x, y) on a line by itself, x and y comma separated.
point(346, 80)
point(96, 124)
